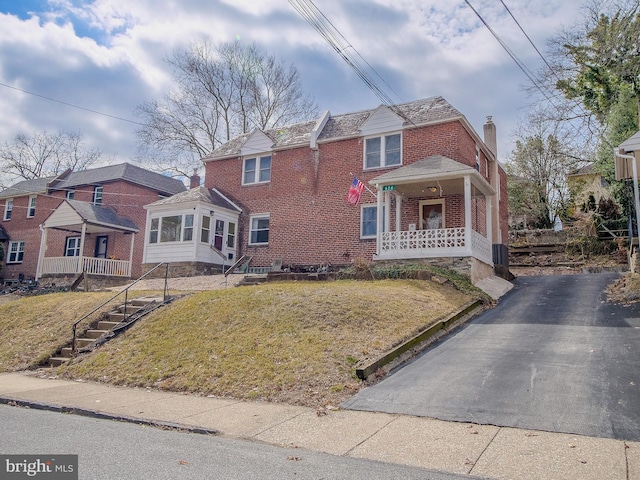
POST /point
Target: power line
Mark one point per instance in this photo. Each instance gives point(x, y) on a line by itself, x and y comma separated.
point(525, 34)
point(308, 10)
point(71, 105)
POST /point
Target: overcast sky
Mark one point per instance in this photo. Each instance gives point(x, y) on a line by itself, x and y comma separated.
point(109, 56)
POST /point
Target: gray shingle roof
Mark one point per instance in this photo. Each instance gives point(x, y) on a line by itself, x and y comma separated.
point(26, 187)
point(123, 171)
point(418, 112)
point(97, 176)
point(102, 215)
point(434, 166)
point(199, 194)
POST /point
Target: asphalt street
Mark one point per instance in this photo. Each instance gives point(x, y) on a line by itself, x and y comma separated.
point(554, 355)
point(109, 450)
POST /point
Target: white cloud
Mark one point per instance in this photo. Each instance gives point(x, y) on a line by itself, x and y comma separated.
point(108, 55)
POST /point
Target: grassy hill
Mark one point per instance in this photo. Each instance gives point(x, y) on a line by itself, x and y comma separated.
point(293, 342)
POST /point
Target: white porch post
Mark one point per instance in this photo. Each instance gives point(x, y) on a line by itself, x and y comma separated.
point(468, 225)
point(82, 238)
point(387, 210)
point(133, 239)
point(398, 212)
point(489, 220)
point(43, 249)
point(379, 223)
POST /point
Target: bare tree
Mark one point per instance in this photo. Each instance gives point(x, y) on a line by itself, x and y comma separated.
point(546, 152)
point(45, 154)
point(220, 92)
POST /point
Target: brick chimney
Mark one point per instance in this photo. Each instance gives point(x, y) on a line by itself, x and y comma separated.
point(490, 138)
point(194, 180)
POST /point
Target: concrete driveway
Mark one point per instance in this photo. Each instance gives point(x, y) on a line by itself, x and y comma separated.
point(554, 355)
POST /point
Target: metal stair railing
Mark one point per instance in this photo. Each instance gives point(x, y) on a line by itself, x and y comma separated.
point(126, 299)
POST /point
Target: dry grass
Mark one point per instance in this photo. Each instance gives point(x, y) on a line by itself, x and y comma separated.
point(293, 342)
point(33, 328)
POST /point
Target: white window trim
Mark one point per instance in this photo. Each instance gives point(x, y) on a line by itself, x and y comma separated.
point(362, 208)
point(383, 154)
point(70, 194)
point(195, 229)
point(8, 202)
point(207, 229)
point(78, 240)
point(20, 244)
point(256, 175)
point(97, 189)
point(251, 218)
point(31, 206)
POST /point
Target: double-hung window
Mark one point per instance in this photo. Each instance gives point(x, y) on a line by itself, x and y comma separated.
point(256, 170)
point(97, 196)
point(72, 247)
point(71, 194)
point(369, 221)
point(205, 229)
point(8, 208)
point(259, 230)
point(31, 210)
point(16, 252)
point(383, 151)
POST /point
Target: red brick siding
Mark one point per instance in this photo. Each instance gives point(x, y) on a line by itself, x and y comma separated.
point(21, 228)
point(125, 198)
point(310, 222)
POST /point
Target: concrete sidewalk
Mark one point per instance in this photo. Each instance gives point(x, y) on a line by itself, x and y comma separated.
point(478, 450)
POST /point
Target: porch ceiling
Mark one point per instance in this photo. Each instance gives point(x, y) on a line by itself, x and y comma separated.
point(433, 176)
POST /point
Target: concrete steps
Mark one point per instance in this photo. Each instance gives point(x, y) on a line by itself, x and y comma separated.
point(252, 280)
point(114, 318)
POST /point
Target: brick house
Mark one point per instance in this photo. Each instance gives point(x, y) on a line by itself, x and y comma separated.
point(432, 184)
point(86, 220)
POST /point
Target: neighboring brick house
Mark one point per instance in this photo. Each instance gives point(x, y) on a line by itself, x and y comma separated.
point(433, 184)
point(86, 220)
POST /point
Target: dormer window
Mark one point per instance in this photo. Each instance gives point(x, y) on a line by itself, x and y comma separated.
point(256, 170)
point(383, 151)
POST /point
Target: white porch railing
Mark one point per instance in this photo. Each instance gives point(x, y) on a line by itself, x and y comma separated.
point(441, 242)
point(90, 265)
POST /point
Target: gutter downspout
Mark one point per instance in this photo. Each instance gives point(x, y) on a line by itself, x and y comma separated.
point(636, 198)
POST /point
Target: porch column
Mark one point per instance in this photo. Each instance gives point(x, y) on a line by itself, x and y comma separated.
point(82, 238)
point(133, 239)
point(387, 210)
point(379, 223)
point(398, 212)
point(489, 220)
point(468, 224)
point(43, 249)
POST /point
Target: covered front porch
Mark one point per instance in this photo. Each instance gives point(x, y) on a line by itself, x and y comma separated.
point(86, 231)
point(435, 207)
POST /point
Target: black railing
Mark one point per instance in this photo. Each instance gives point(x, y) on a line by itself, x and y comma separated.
point(126, 299)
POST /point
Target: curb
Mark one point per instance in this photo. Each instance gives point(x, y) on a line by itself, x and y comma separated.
point(105, 416)
point(425, 335)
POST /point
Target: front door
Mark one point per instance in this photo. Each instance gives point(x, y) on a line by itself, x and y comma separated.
point(101, 246)
point(432, 214)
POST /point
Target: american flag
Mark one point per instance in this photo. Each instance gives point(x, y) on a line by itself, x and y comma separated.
point(355, 191)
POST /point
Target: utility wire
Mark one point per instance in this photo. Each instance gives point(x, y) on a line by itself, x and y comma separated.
point(71, 105)
point(527, 36)
point(308, 10)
